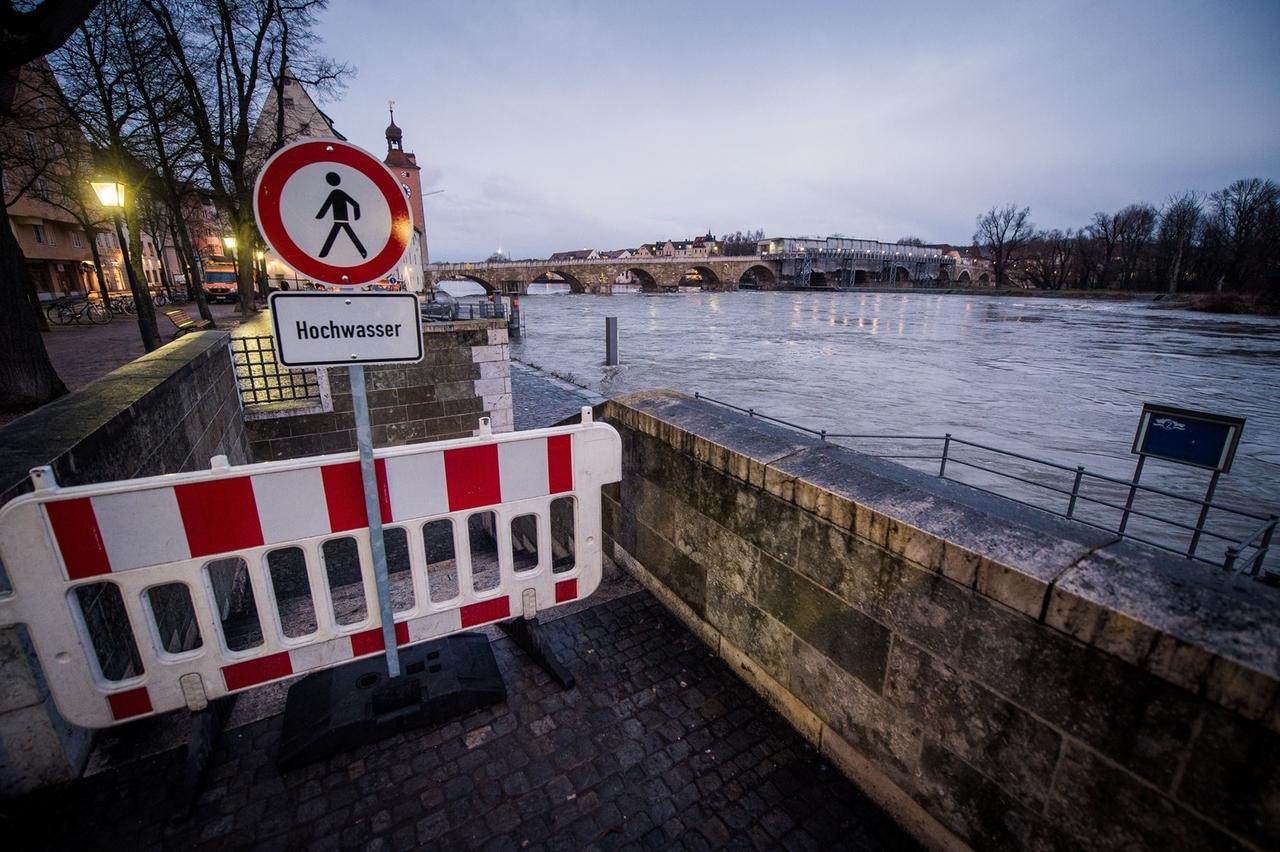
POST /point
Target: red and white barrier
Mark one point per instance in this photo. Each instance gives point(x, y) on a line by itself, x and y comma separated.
point(143, 533)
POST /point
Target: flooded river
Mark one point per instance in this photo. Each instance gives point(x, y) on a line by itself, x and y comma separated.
point(1059, 379)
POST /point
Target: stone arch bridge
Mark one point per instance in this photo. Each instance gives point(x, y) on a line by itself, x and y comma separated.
point(651, 274)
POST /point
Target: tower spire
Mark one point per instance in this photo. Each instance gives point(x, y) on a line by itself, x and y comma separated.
point(395, 136)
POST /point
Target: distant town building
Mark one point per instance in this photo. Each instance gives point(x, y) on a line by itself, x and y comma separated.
point(577, 254)
point(34, 136)
point(300, 114)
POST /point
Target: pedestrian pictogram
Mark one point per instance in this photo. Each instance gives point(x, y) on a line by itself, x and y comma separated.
point(338, 202)
point(333, 212)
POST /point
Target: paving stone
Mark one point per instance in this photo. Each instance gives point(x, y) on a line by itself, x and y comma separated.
point(619, 766)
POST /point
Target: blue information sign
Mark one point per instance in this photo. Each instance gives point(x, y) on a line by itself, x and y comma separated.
point(1188, 437)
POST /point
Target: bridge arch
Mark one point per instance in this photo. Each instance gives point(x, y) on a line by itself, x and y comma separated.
point(859, 276)
point(543, 273)
point(901, 275)
point(758, 276)
point(466, 276)
point(984, 279)
point(643, 279)
point(703, 276)
point(964, 277)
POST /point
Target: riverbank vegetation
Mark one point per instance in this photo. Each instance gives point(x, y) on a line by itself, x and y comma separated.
point(1225, 242)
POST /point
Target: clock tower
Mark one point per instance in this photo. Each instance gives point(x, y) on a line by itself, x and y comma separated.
point(404, 165)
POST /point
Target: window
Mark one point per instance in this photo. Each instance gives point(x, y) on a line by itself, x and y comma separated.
point(33, 144)
point(288, 103)
point(42, 189)
point(38, 230)
point(76, 240)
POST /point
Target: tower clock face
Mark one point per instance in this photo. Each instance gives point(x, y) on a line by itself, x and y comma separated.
point(408, 193)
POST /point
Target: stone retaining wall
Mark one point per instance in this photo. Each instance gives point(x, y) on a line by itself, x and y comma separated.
point(168, 412)
point(464, 375)
point(992, 675)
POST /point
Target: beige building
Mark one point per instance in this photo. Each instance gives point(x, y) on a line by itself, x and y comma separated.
point(33, 142)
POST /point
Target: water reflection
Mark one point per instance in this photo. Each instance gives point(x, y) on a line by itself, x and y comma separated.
point(1057, 378)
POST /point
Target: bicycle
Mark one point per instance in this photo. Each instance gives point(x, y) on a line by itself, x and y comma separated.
point(159, 298)
point(71, 312)
point(122, 305)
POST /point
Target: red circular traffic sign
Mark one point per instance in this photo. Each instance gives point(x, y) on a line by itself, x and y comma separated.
point(338, 233)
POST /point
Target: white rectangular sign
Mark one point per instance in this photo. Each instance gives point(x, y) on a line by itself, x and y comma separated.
point(332, 329)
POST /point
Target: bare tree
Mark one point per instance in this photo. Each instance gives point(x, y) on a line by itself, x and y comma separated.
point(910, 241)
point(1137, 222)
point(1104, 231)
point(1002, 232)
point(740, 243)
point(27, 377)
point(1179, 223)
point(226, 55)
point(1241, 230)
point(1051, 259)
point(99, 89)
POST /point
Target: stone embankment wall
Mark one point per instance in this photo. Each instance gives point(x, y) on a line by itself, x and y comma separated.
point(464, 375)
point(993, 676)
point(168, 412)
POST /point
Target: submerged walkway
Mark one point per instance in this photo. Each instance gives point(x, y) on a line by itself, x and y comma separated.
point(659, 746)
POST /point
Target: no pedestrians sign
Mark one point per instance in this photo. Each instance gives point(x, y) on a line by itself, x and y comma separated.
point(333, 212)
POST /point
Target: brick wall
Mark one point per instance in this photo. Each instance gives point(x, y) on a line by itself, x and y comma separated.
point(167, 412)
point(464, 375)
point(993, 676)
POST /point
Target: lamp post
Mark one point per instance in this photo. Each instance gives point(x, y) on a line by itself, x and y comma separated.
point(260, 269)
point(110, 195)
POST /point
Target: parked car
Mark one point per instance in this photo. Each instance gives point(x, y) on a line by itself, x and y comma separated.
point(439, 307)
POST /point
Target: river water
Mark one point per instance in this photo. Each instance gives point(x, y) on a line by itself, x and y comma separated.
point(1060, 379)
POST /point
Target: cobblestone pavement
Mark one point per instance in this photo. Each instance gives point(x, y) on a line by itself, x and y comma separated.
point(541, 399)
point(658, 747)
point(83, 353)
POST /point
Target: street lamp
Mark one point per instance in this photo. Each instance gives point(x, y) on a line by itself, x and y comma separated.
point(230, 243)
point(110, 195)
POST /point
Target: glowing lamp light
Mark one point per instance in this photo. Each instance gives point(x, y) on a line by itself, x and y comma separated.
point(110, 193)
point(260, 254)
point(229, 242)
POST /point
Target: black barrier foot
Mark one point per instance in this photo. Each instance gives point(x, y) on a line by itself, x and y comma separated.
point(339, 709)
point(207, 726)
point(526, 633)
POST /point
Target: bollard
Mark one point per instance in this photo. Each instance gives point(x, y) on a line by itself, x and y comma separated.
point(513, 320)
point(611, 341)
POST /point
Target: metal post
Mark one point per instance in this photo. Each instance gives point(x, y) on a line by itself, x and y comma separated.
point(946, 449)
point(1075, 491)
point(1263, 547)
point(1204, 514)
point(513, 323)
point(611, 341)
point(364, 439)
point(1133, 490)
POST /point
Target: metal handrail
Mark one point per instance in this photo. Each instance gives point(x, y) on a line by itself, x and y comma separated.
point(1259, 540)
point(1266, 531)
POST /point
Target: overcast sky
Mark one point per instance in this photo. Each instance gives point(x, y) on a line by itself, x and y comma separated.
point(558, 125)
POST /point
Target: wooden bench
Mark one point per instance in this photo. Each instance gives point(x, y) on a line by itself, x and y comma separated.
point(183, 322)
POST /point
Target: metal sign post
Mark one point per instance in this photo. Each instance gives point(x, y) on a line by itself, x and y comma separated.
point(1194, 438)
point(335, 213)
point(378, 546)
